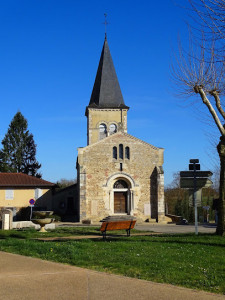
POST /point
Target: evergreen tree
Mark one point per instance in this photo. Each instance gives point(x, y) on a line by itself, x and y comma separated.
point(19, 150)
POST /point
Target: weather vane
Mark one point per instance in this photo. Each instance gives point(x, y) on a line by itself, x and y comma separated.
point(106, 23)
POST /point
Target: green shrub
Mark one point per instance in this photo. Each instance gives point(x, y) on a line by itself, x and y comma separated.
point(56, 218)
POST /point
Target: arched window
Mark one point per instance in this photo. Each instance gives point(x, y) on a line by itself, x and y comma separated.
point(115, 152)
point(112, 128)
point(121, 151)
point(127, 152)
point(120, 184)
point(102, 131)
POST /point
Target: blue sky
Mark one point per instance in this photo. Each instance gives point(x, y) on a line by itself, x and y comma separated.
point(49, 56)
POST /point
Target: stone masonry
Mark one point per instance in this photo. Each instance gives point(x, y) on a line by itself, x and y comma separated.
point(117, 174)
point(98, 171)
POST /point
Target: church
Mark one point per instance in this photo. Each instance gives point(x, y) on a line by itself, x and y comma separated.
point(117, 173)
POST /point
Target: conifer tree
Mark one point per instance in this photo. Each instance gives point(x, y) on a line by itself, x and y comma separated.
point(19, 150)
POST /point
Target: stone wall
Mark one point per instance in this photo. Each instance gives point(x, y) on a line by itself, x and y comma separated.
point(98, 171)
point(107, 117)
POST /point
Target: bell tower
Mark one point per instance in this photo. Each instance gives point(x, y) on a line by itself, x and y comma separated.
point(106, 113)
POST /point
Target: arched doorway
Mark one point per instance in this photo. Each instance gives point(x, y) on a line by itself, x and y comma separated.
point(120, 189)
point(121, 197)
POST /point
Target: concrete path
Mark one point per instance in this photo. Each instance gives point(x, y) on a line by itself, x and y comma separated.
point(173, 228)
point(155, 227)
point(26, 278)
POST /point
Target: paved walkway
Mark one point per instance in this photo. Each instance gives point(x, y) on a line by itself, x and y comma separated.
point(155, 227)
point(173, 228)
point(29, 278)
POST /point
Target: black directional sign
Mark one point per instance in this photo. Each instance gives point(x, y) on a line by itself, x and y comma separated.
point(194, 161)
point(195, 180)
point(199, 174)
point(188, 183)
point(194, 167)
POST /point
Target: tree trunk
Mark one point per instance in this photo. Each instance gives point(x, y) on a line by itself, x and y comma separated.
point(221, 205)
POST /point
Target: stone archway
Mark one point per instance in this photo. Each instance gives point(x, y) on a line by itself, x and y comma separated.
point(119, 188)
point(121, 196)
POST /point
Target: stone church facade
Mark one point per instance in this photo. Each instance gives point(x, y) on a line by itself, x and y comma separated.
point(117, 174)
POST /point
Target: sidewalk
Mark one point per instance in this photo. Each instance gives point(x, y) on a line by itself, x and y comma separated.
point(23, 278)
point(173, 228)
point(155, 227)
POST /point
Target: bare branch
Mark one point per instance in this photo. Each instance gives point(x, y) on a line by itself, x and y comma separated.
point(198, 72)
point(215, 94)
point(198, 66)
point(202, 72)
point(200, 91)
point(211, 15)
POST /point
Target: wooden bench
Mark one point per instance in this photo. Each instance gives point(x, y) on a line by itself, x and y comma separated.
point(117, 225)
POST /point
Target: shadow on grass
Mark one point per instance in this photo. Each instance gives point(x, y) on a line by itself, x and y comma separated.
point(64, 234)
point(16, 235)
point(164, 239)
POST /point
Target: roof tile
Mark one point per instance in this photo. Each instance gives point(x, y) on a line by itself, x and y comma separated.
point(20, 179)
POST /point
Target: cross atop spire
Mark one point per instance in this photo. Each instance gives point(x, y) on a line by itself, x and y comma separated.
point(106, 23)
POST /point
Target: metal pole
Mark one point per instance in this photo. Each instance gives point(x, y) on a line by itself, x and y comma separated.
point(195, 202)
point(31, 208)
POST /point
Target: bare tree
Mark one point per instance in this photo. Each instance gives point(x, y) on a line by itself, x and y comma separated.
point(200, 70)
point(63, 182)
point(211, 17)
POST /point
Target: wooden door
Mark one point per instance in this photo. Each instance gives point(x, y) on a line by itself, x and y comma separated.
point(120, 202)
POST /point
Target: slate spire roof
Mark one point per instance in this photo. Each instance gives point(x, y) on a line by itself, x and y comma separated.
point(106, 92)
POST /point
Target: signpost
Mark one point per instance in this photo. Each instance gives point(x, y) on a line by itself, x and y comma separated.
point(187, 183)
point(32, 202)
point(196, 180)
point(194, 165)
point(200, 174)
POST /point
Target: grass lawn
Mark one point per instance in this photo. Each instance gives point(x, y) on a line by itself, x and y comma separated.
point(186, 260)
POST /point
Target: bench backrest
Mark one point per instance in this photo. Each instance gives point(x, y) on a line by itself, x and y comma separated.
point(115, 225)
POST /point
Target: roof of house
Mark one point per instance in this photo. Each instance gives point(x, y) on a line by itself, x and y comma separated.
point(106, 92)
point(22, 180)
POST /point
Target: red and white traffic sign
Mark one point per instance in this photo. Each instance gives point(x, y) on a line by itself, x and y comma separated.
point(32, 201)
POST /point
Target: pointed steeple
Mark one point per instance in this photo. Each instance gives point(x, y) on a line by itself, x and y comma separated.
point(106, 92)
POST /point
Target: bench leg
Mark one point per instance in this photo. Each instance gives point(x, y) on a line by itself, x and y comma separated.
point(128, 232)
point(104, 235)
